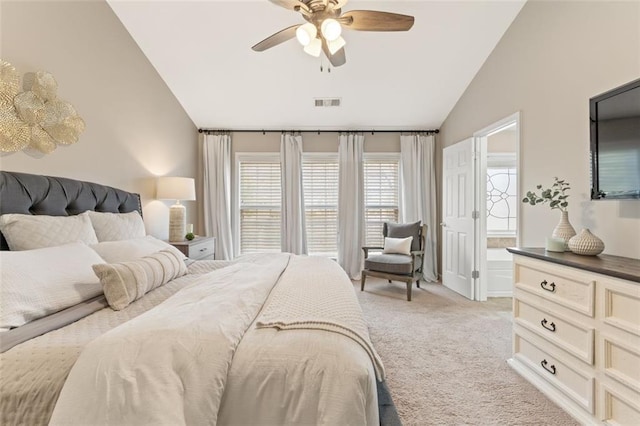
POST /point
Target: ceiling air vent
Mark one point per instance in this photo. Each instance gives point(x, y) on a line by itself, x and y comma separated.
point(327, 102)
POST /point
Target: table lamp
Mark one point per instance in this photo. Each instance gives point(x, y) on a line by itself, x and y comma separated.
point(177, 188)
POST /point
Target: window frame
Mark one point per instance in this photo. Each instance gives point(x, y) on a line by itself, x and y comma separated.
point(502, 160)
point(332, 156)
point(391, 156)
point(239, 157)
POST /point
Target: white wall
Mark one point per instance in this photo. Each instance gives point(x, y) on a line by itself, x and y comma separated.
point(553, 58)
point(136, 129)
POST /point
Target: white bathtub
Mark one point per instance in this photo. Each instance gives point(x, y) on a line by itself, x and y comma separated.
point(499, 273)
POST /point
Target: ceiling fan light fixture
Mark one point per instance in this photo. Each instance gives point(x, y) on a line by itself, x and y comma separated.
point(331, 29)
point(336, 45)
point(306, 33)
point(314, 47)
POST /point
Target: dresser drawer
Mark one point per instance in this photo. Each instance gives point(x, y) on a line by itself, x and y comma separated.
point(561, 285)
point(619, 407)
point(621, 361)
point(561, 373)
point(569, 334)
point(621, 305)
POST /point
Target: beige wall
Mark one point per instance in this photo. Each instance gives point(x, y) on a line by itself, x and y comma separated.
point(136, 129)
point(311, 142)
point(503, 141)
point(553, 58)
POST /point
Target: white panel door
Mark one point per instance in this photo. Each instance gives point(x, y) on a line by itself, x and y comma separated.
point(457, 220)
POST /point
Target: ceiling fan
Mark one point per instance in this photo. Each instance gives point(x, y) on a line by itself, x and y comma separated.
point(325, 20)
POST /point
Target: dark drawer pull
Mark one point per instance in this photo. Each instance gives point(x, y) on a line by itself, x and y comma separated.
point(204, 249)
point(550, 327)
point(549, 287)
point(551, 368)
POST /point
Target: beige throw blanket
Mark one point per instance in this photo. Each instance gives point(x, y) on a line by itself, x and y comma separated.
point(322, 300)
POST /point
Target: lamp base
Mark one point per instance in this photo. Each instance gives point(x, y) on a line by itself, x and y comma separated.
point(177, 222)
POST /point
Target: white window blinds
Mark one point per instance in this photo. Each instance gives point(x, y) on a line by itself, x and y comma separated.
point(259, 195)
point(320, 180)
point(381, 184)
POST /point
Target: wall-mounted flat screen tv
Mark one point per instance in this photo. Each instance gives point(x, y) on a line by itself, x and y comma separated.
point(615, 143)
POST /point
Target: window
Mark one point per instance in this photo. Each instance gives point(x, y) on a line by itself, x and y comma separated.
point(260, 201)
point(320, 180)
point(259, 195)
point(381, 184)
point(501, 194)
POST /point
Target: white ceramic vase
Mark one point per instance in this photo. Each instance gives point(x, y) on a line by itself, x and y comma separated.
point(564, 230)
point(586, 244)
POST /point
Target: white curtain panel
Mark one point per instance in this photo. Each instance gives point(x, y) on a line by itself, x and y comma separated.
point(294, 234)
point(351, 204)
point(216, 153)
point(418, 189)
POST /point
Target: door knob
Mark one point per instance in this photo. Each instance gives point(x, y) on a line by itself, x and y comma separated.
point(443, 224)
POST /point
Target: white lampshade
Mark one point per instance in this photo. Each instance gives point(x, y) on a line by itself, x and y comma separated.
point(305, 33)
point(331, 29)
point(336, 45)
point(176, 188)
point(314, 47)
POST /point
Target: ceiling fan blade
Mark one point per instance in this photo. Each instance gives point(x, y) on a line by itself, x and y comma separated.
point(289, 4)
point(277, 38)
point(339, 4)
point(337, 59)
point(372, 20)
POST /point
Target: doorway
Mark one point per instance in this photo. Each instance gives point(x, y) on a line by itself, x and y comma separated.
point(497, 200)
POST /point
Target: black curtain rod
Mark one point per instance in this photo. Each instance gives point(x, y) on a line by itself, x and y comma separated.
point(372, 131)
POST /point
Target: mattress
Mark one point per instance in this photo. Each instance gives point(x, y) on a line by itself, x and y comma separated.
point(34, 372)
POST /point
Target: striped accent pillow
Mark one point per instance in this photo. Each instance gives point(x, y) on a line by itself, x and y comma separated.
point(123, 283)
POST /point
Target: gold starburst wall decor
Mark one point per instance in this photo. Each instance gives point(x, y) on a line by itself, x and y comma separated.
point(34, 119)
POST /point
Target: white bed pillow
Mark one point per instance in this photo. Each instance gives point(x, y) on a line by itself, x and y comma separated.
point(36, 283)
point(126, 282)
point(132, 249)
point(397, 245)
point(28, 232)
point(117, 226)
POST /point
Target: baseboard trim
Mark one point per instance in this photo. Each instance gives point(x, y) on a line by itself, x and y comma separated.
point(553, 393)
point(505, 293)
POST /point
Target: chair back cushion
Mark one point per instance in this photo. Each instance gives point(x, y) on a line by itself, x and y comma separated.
point(404, 230)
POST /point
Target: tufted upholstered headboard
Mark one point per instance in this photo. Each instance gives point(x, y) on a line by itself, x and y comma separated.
point(55, 196)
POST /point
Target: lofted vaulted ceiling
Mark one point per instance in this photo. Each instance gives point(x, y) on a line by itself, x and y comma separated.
point(392, 80)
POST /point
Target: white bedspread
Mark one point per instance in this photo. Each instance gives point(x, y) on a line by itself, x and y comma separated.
point(198, 359)
point(169, 366)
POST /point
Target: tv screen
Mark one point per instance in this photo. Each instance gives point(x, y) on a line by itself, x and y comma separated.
point(615, 143)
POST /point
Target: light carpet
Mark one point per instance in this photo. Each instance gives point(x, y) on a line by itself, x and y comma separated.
point(446, 358)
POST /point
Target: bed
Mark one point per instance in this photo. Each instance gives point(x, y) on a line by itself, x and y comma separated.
point(263, 339)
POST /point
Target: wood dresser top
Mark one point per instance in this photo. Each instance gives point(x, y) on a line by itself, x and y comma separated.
point(615, 266)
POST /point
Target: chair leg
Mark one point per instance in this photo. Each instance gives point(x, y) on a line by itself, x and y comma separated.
point(364, 278)
point(418, 283)
point(408, 291)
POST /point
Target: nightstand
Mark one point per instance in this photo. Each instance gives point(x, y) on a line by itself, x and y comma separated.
point(200, 248)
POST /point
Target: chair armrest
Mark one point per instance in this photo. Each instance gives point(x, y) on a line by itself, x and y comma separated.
point(366, 250)
point(416, 252)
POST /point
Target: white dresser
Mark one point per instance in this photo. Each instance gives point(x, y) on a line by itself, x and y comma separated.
point(576, 332)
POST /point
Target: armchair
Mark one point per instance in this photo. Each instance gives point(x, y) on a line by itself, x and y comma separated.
point(397, 267)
